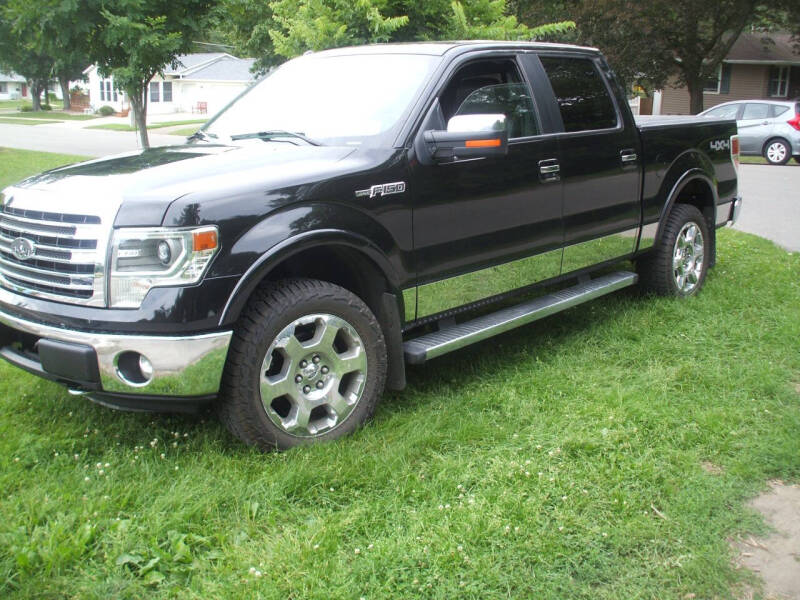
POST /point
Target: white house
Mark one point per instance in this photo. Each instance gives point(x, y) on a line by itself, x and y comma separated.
point(203, 82)
point(13, 86)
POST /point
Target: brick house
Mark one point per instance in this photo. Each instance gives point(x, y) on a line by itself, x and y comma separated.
point(753, 69)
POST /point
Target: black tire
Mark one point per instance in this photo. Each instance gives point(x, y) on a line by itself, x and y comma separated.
point(782, 149)
point(272, 310)
point(656, 273)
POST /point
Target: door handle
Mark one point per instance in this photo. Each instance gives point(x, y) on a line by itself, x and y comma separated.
point(628, 156)
point(549, 170)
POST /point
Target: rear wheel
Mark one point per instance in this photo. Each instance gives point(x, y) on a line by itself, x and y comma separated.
point(777, 151)
point(678, 264)
point(307, 364)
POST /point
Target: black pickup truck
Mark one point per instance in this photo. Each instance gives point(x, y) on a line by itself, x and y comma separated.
point(356, 210)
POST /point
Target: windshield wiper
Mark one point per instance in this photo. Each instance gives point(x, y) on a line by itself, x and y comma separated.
point(275, 133)
point(202, 135)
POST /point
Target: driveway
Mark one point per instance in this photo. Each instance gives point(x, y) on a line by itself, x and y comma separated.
point(771, 205)
point(70, 140)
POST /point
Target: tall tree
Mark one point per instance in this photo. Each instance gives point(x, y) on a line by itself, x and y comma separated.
point(655, 41)
point(20, 53)
point(60, 30)
point(135, 40)
point(273, 31)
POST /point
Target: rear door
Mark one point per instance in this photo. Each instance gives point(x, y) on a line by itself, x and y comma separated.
point(755, 127)
point(599, 162)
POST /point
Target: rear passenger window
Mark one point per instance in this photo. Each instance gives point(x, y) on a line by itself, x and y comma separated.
point(583, 99)
point(777, 110)
point(724, 112)
point(755, 111)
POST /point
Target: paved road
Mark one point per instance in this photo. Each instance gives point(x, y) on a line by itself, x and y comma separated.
point(86, 142)
point(771, 203)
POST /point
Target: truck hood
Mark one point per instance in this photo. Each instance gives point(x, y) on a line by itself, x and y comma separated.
point(143, 184)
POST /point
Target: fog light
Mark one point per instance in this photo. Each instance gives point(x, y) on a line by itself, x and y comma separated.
point(134, 369)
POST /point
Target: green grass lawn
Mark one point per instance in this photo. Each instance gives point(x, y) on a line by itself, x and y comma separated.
point(561, 460)
point(16, 121)
point(122, 127)
point(53, 115)
point(18, 164)
point(185, 131)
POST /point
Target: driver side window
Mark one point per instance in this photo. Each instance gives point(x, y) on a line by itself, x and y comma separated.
point(488, 87)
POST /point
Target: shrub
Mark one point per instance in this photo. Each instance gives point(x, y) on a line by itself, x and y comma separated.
point(47, 107)
point(105, 111)
point(26, 108)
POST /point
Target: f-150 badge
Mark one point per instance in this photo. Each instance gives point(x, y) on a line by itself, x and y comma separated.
point(382, 189)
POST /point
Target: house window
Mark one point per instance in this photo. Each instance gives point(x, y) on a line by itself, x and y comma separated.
point(102, 91)
point(166, 91)
point(778, 82)
point(713, 83)
point(3, 88)
point(108, 90)
point(154, 96)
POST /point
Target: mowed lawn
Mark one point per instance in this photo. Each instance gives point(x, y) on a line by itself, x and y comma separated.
point(562, 460)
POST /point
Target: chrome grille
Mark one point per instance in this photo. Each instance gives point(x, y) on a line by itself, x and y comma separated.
point(68, 257)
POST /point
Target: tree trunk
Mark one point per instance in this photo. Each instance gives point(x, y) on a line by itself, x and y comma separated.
point(36, 95)
point(138, 101)
point(64, 83)
point(695, 87)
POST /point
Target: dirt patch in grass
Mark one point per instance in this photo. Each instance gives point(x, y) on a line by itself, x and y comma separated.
point(776, 558)
point(711, 468)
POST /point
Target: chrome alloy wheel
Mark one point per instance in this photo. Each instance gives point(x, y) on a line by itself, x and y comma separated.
point(776, 152)
point(313, 375)
point(687, 257)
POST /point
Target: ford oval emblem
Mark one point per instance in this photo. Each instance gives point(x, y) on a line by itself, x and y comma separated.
point(22, 249)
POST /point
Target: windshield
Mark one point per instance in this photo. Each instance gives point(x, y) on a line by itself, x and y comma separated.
point(353, 99)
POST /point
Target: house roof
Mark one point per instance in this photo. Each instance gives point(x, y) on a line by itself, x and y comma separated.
point(226, 68)
point(13, 77)
point(758, 48)
point(187, 62)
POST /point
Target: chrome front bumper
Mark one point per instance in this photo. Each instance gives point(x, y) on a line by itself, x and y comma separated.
point(188, 366)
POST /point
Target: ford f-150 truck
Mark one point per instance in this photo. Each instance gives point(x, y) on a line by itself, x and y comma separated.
point(356, 210)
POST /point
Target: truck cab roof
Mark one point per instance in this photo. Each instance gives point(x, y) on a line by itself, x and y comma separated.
point(442, 48)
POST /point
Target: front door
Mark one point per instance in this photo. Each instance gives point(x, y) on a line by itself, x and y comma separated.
point(484, 227)
point(599, 155)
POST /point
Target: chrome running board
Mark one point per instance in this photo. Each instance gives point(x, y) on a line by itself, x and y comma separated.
point(437, 343)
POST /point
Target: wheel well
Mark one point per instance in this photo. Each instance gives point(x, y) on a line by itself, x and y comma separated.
point(698, 193)
point(340, 265)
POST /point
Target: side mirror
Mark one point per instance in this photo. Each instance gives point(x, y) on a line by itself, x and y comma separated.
point(469, 136)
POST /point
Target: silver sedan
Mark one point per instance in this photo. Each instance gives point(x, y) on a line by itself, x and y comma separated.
point(768, 128)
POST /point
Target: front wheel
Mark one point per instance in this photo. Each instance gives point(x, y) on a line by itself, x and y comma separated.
point(777, 152)
point(307, 364)
point(678, 264)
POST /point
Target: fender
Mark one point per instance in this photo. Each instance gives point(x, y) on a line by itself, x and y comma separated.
point(677, 188)
point(294, 245)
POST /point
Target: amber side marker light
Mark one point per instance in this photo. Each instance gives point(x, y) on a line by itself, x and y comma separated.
point(204, 240)
point(482, 143)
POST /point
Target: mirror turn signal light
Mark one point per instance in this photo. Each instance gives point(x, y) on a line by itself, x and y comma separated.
point(495, 143)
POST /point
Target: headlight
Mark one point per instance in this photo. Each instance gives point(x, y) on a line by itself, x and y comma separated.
point(144, 258)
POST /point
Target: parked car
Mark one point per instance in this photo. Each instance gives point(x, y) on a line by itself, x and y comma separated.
point(768, 128)
point(359, 209)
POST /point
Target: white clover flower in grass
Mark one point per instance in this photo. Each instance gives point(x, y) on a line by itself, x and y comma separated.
point(357, 551)
point(86, 479)
point(252, 570)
